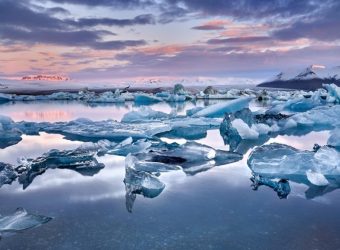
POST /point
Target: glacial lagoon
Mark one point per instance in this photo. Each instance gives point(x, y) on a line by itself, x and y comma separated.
point(202, 205)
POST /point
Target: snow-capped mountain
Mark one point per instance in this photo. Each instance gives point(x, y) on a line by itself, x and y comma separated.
point(309, 78)
point(45, 78)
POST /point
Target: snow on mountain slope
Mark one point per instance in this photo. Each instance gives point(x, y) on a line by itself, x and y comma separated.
point(309, 78)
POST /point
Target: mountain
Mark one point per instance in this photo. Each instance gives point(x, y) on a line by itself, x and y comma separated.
point(45, 78)
point(310, 78)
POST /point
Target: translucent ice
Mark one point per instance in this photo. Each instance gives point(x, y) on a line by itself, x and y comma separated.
point(279, 159)
point(334, 139)
point(333, 92)
point(144, 114)
point(147, 166)
point(81, 160)
point(281, 187)
point(245, 125)
point(192, 157)
point(129, 147)
point(5, 98)
point(9, 134)
point(317, 179)
point(20, 221)
point(139, 182)
point(87, 130)
point(106, 97)
point(7, 174)
point(219, 109)
point(146, 99)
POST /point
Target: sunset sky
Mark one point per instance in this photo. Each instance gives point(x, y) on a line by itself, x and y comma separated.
point(106, 39)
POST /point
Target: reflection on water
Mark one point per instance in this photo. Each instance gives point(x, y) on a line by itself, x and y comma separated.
point(214, 209)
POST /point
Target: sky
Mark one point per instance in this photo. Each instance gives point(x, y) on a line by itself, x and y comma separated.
point(145, 39)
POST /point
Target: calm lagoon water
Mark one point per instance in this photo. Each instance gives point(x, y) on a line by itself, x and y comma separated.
point(216, 209)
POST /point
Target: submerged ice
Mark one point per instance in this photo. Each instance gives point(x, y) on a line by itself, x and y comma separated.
point(19, 221)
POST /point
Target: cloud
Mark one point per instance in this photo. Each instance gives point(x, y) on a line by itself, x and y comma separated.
point(212, 25)
point(247, 9)
point(109, 3)
point(247, 39)
point(84, 38)
point(322, 26)
point(196, 61)
point(91, 22)
point(20, 23)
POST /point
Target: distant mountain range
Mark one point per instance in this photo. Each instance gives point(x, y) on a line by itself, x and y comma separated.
point(310, 78)
point(45, 78)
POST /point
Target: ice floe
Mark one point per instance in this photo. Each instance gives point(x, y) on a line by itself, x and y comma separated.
point(19, 221)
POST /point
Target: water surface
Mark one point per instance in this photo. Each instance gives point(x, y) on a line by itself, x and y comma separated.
point(216, 209)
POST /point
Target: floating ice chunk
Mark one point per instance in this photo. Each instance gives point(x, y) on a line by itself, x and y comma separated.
point(20, 221)
point(319, 116)
point(128, 146)
point(279, 159)
point(179, 89)
point(149, 167)
point(5, 98)
point(146, 99)
point(192, 111)
point(191, 156)
point(219, 109)
point(87, 130)
point(175, 98)
point(144, 114)
point(61, 96)
point(81, 160)
point(107, 97)
point(139, 182)
point(9, 134)
point(281, 187)
point(333, 92)
point(317, 179)
point(244, 130)
point(7, 174)
point(334, 139)
point(101, 147)
point(210, 90)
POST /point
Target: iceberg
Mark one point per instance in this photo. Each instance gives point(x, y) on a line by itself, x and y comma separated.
point(179, 89)
point(333, 93)
point(139, 182)
point(87, 130)
point(19, 221)
point(7, 174)
point(144, 114)
point(245, 127)
point(9, 134)
point(334, 139)
point(281, 187)
point(106, 97)
point(129, 147)
point(5, 98)
point(149, 167)
point(146, 99)
point(192, 157)
point(81, 160)
point(275, 160)
point(219, 109)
